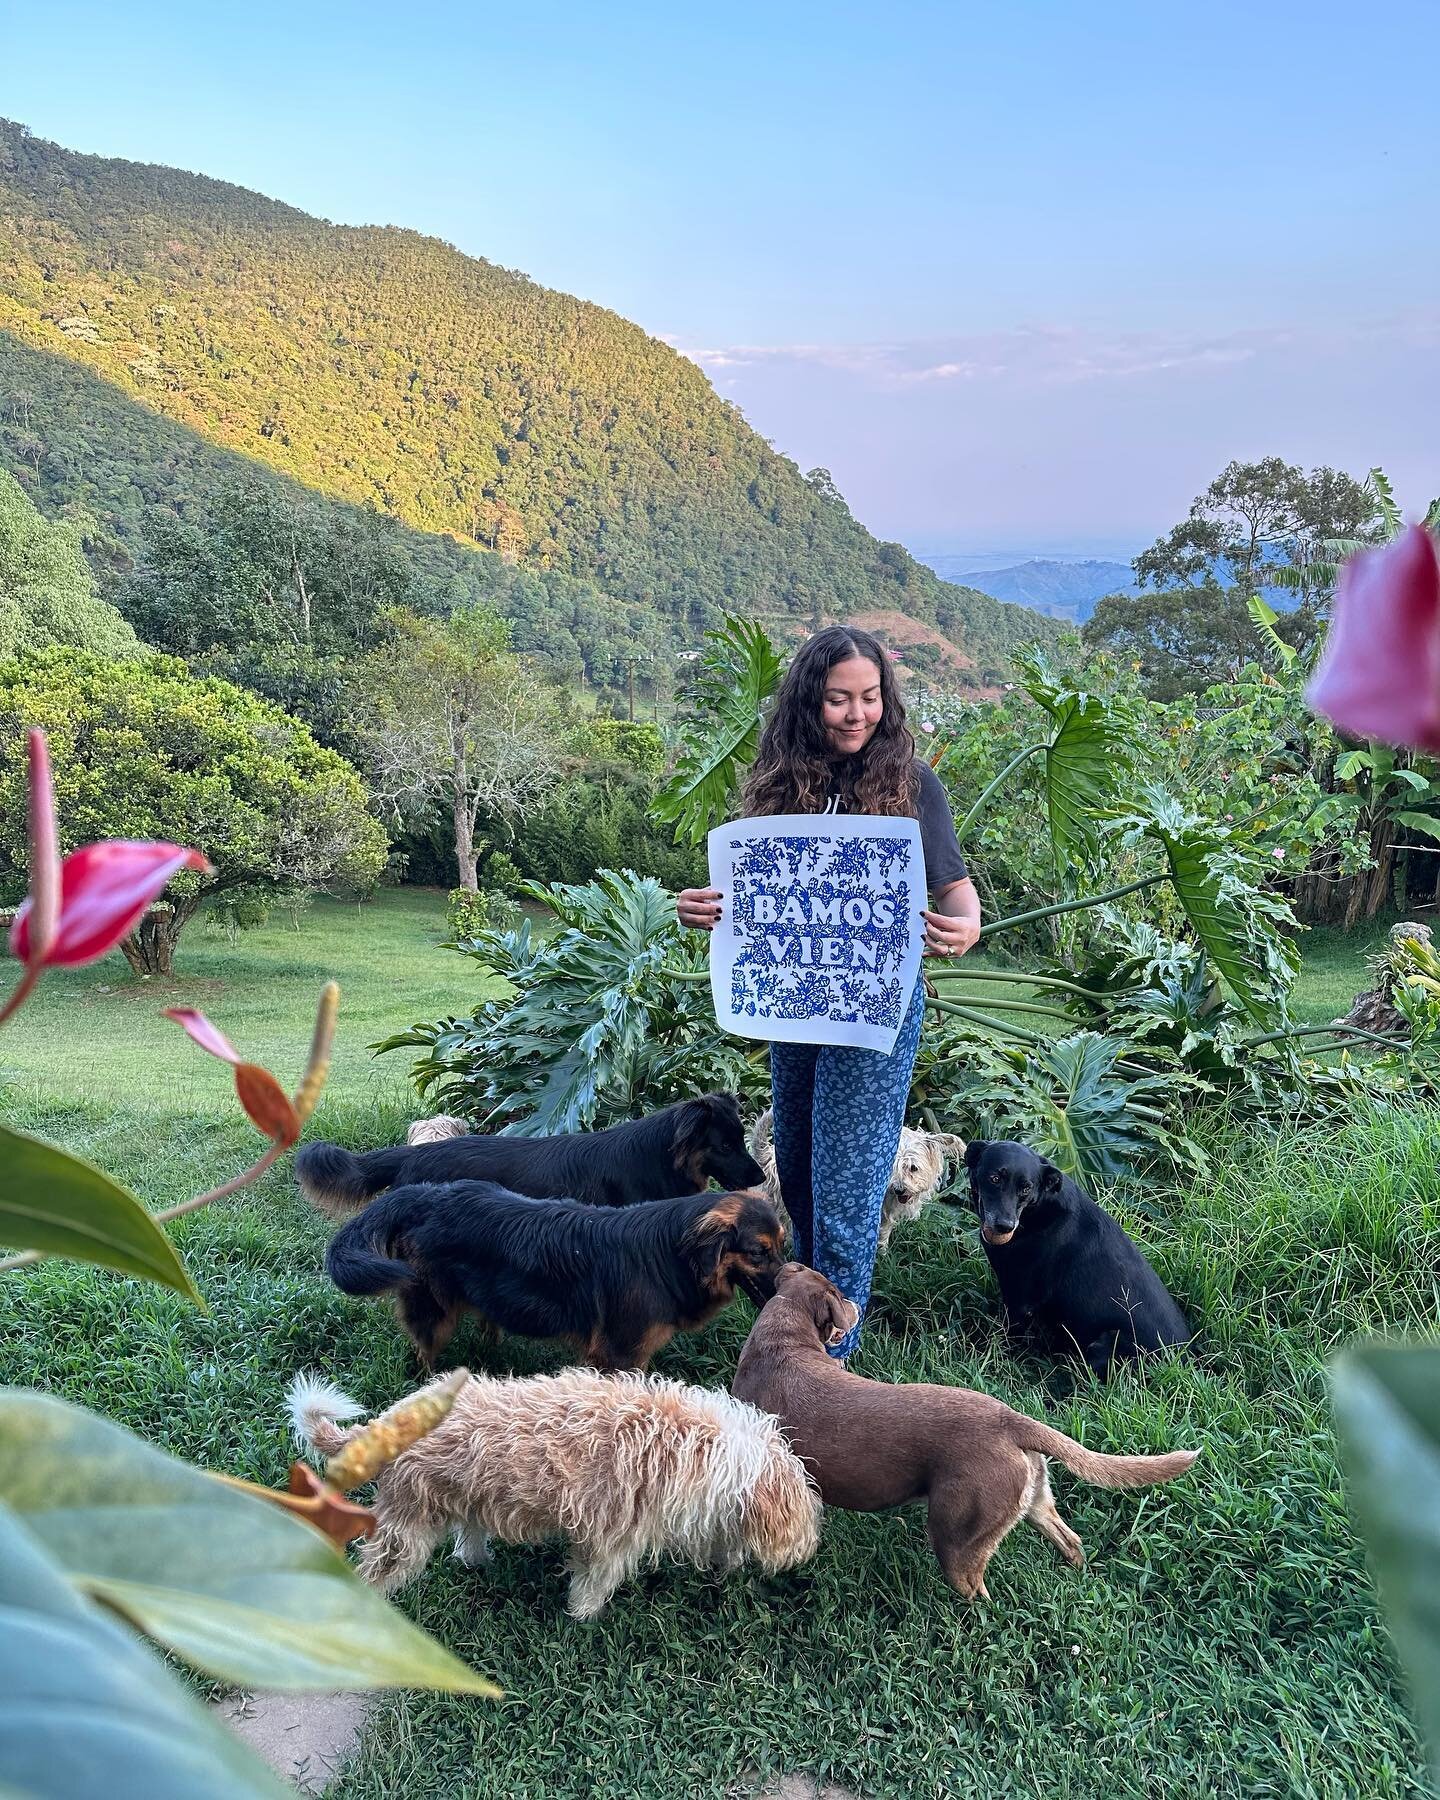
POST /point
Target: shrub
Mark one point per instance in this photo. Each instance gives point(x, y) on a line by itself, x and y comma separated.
point(468, 912)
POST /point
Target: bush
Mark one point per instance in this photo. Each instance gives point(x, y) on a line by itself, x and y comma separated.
point(468, 913)
point(146, 750)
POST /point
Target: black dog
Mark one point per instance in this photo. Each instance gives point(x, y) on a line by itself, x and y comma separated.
point(677, 1151)
point(616, 1285)
point(1065, 1267)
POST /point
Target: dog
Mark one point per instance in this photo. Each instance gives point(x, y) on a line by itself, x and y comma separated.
point(1066, 1269)
point(677, 1151)
point(921, 1160)
point(628, 1468)
point(979, 1466)
point(436, 1129)
point(616, 1285)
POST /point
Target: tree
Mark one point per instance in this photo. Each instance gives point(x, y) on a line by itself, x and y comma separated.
point(147, 750)
point(47, 595)
point(456, 718)
point(1257, 525)
point(265, 571)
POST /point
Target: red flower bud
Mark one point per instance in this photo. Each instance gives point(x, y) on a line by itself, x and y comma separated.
point(1379, 676)
point(267, 1105)
point(104, 891)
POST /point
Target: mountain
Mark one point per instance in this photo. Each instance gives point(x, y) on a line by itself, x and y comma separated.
point(531, 431)
point(1063, 590)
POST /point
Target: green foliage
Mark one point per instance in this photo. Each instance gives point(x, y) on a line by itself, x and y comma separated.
point(600, 818)
point(1243, 930)
point(1258, 524)
point(1387, 1402)
point(234, 1585)
point(639, 746)
point(469, 911)
point(145, 750)
point(738, 672)
point(56, 1203)
point(1066, 1100)
point(466, 400)
point(138, 1735)
point(47, 594)
point(611, 1017)
point(1088, 755)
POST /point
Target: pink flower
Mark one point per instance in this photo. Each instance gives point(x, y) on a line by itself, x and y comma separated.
point(1379, 676)
point(1278, 854)
point(104, 891)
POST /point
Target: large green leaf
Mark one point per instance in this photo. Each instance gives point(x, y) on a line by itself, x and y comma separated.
point(237, 1587)
point(1246, 933)
point(85, 1709)
point(1387, 1401)
point(1265, 618)
point(1089, 752)
point(1427, 824)
point(739, 672)
point(54, 1202)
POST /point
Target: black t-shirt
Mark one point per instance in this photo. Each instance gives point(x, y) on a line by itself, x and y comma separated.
point(944, 860)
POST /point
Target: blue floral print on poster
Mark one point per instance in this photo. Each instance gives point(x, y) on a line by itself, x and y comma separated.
point(820, 933)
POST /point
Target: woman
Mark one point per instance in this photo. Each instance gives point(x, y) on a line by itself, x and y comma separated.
point(837, 738)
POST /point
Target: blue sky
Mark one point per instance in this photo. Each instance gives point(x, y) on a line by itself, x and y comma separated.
point(1022, 276)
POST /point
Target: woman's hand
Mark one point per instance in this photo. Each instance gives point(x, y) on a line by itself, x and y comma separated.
point(954, 926)
point(698, 908)
point(945, 936)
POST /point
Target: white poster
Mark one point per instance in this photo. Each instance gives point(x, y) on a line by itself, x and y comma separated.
point(820, 932)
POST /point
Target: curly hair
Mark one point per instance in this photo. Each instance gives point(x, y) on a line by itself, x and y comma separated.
point(796, 770)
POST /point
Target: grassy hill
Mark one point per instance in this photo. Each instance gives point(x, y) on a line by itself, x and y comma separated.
point(382, 368)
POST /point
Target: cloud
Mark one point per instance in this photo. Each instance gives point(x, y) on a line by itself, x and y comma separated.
point(1051, 355)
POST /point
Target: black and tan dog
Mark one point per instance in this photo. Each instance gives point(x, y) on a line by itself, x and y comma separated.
point(978, 1465)
point(617, 1285)
point(677, 1151)
point(1067, 1271)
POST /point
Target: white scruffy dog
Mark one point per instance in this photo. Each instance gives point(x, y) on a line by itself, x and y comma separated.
point(919, 1169)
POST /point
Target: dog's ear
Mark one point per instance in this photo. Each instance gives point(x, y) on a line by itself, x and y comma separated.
point(843, 1316)
point(974, 1150)
point(951, 1145)
point(832, 1313)
point(1050, 1182)
point(690, 1144)
point(712, 1238)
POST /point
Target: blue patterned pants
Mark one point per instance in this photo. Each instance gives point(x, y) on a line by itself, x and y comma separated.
point(837, 1119)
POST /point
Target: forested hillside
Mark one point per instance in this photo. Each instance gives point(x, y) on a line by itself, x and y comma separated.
point(385, 369)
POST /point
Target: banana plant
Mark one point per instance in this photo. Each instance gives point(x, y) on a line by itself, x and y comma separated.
point(1322, 566)
point(739, 671)
point(1386, 797)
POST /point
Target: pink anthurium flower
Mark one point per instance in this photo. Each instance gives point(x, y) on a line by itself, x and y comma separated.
point(104, 891)
point(1379, 676)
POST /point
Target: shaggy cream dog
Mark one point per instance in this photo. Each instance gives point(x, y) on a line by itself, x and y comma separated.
point(628, 1468)
point(433, 1131)
point(919, 1169)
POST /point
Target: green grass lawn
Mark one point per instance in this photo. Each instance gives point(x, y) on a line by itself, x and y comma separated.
point(1223, 1640)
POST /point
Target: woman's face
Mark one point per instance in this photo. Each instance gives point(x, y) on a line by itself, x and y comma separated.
point(851, 706)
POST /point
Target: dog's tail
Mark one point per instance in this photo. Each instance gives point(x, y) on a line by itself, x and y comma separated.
point(1095, 1467)
point(360, 1259)
point(314, 1406)
point(338, 1181)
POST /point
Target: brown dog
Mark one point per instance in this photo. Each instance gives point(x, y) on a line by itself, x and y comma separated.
point(869, 1446)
